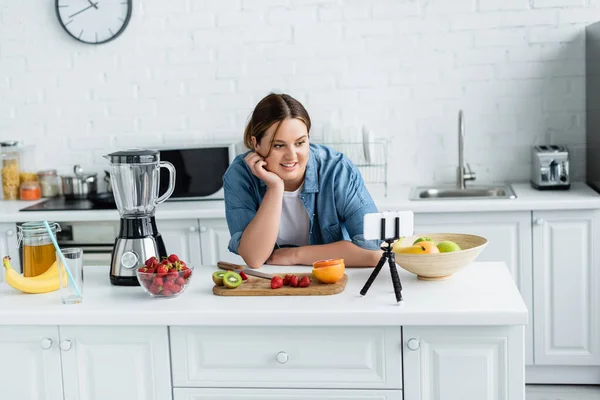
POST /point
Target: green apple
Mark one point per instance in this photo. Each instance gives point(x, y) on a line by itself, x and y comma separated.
point(448, 246)
point(423, 239)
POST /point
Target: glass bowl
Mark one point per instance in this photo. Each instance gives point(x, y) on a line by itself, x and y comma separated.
point(165, 285)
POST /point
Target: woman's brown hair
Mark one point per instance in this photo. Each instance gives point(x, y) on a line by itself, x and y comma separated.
point(271, 109)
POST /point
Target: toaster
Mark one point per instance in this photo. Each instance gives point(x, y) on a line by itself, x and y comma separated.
point(550, 167)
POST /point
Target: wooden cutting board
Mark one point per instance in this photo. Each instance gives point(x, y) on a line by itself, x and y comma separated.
point(262, 287)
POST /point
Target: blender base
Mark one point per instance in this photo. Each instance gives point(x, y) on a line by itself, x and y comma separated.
point(124, 280)
point(138, 240)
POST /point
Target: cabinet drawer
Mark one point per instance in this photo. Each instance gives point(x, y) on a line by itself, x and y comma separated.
point(284, 394)
point(287, 357)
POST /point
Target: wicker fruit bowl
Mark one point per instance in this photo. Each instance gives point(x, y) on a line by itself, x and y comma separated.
point(438, 266)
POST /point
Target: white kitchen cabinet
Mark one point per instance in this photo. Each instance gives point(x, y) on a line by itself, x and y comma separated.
point(30, 366)
point(284, 394)
point(509, 240)
point(8, 246)
point(463, 363)
point(566, 287)
point(296, 357)
point(214, 235)
point(182, 237)
point(119, 363)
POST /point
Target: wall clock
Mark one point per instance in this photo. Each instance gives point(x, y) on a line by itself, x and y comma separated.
point(93, 21)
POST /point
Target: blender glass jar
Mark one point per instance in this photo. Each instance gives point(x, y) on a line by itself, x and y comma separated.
point(38, 250)
point(10, 154)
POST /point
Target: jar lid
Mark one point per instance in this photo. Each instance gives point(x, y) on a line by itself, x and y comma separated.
point(30, 185)
point(47, 172)
point(10, 143)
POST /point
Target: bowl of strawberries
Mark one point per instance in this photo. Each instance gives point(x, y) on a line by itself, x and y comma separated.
point(163, 279)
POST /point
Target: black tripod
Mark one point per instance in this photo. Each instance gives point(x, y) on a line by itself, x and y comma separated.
point(388, 255)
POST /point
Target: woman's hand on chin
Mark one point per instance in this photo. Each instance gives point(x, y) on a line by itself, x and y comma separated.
point(285, 256)
point(257, 165)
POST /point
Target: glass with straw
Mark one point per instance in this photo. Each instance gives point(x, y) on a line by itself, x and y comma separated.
point(70, 261)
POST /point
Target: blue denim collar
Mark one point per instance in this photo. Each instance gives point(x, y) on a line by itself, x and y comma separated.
point(311, 179)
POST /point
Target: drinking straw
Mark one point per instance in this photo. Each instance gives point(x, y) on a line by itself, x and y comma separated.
point(62, 257)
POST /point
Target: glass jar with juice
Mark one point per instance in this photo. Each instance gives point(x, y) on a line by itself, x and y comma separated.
point(38, 250)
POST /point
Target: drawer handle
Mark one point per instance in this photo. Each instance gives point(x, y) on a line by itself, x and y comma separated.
point(192, 229)
point(65, 345)
point(46, 343)
point(282, 357)
point(413, 344)
point(9, 233)
point(539, 221)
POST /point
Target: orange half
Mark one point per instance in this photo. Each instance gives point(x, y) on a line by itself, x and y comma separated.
point(327, 263)
point(329, 274)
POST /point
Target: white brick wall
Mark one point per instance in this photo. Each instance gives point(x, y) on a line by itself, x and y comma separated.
point(190, 70)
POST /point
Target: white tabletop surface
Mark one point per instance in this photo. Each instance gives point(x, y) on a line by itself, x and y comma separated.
point(481, 294)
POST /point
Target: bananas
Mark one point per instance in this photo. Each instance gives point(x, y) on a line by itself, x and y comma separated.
point(44, 283)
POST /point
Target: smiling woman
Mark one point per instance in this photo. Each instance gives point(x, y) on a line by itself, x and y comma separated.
point(291, 202)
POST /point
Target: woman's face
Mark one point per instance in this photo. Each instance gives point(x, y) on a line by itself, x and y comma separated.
point(289, 155)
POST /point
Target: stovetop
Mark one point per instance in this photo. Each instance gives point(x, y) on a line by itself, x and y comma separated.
point(62, 204)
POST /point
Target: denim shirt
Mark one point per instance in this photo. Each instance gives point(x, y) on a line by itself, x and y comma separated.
point(334, 196)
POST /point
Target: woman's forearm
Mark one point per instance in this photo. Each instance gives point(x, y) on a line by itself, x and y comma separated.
point(260, 236)
point(353, 255)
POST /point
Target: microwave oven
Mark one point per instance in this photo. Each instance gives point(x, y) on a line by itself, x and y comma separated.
point(199, 169)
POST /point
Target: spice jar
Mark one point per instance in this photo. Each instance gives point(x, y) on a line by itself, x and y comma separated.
point(49, 183)
point(38, 250)
point(27, 164)
point(30, 191)
point(10, 152)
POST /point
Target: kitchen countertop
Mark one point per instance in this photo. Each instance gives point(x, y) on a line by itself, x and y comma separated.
point(580, 196)
point(481, 294)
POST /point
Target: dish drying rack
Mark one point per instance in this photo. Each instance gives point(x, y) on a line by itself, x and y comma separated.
point(369, 157)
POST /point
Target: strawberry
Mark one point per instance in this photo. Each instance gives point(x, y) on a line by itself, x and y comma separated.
point(188, 272)
point(173, 258)
point(142, 269)
point(180, 281)
point(151, 261)
point(172, 275)
point(166, 263)
point(276, 282)
point(154, 289)
point(161, 270)
point(167, 293)
point(175, 288)
point(167, 285)
point(158, 281)
point(304, 282)
point(244, 276)
point(286, 279)
point(294, 281)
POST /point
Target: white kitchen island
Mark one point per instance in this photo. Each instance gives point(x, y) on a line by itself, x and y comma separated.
point(461, 338)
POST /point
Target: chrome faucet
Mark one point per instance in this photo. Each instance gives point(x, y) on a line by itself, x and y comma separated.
point(462, 174)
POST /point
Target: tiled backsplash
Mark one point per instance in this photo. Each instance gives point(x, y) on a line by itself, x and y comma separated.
point(192, 70)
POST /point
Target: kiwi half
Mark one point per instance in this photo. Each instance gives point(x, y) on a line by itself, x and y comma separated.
point(217, 277)
point(232, 279)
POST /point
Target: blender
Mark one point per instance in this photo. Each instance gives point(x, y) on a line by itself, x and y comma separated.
point(135, 180)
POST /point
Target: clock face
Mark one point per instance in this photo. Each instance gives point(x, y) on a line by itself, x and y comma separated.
point(94, 21)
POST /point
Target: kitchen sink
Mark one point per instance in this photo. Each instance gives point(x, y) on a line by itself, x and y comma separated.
point(471, 192)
